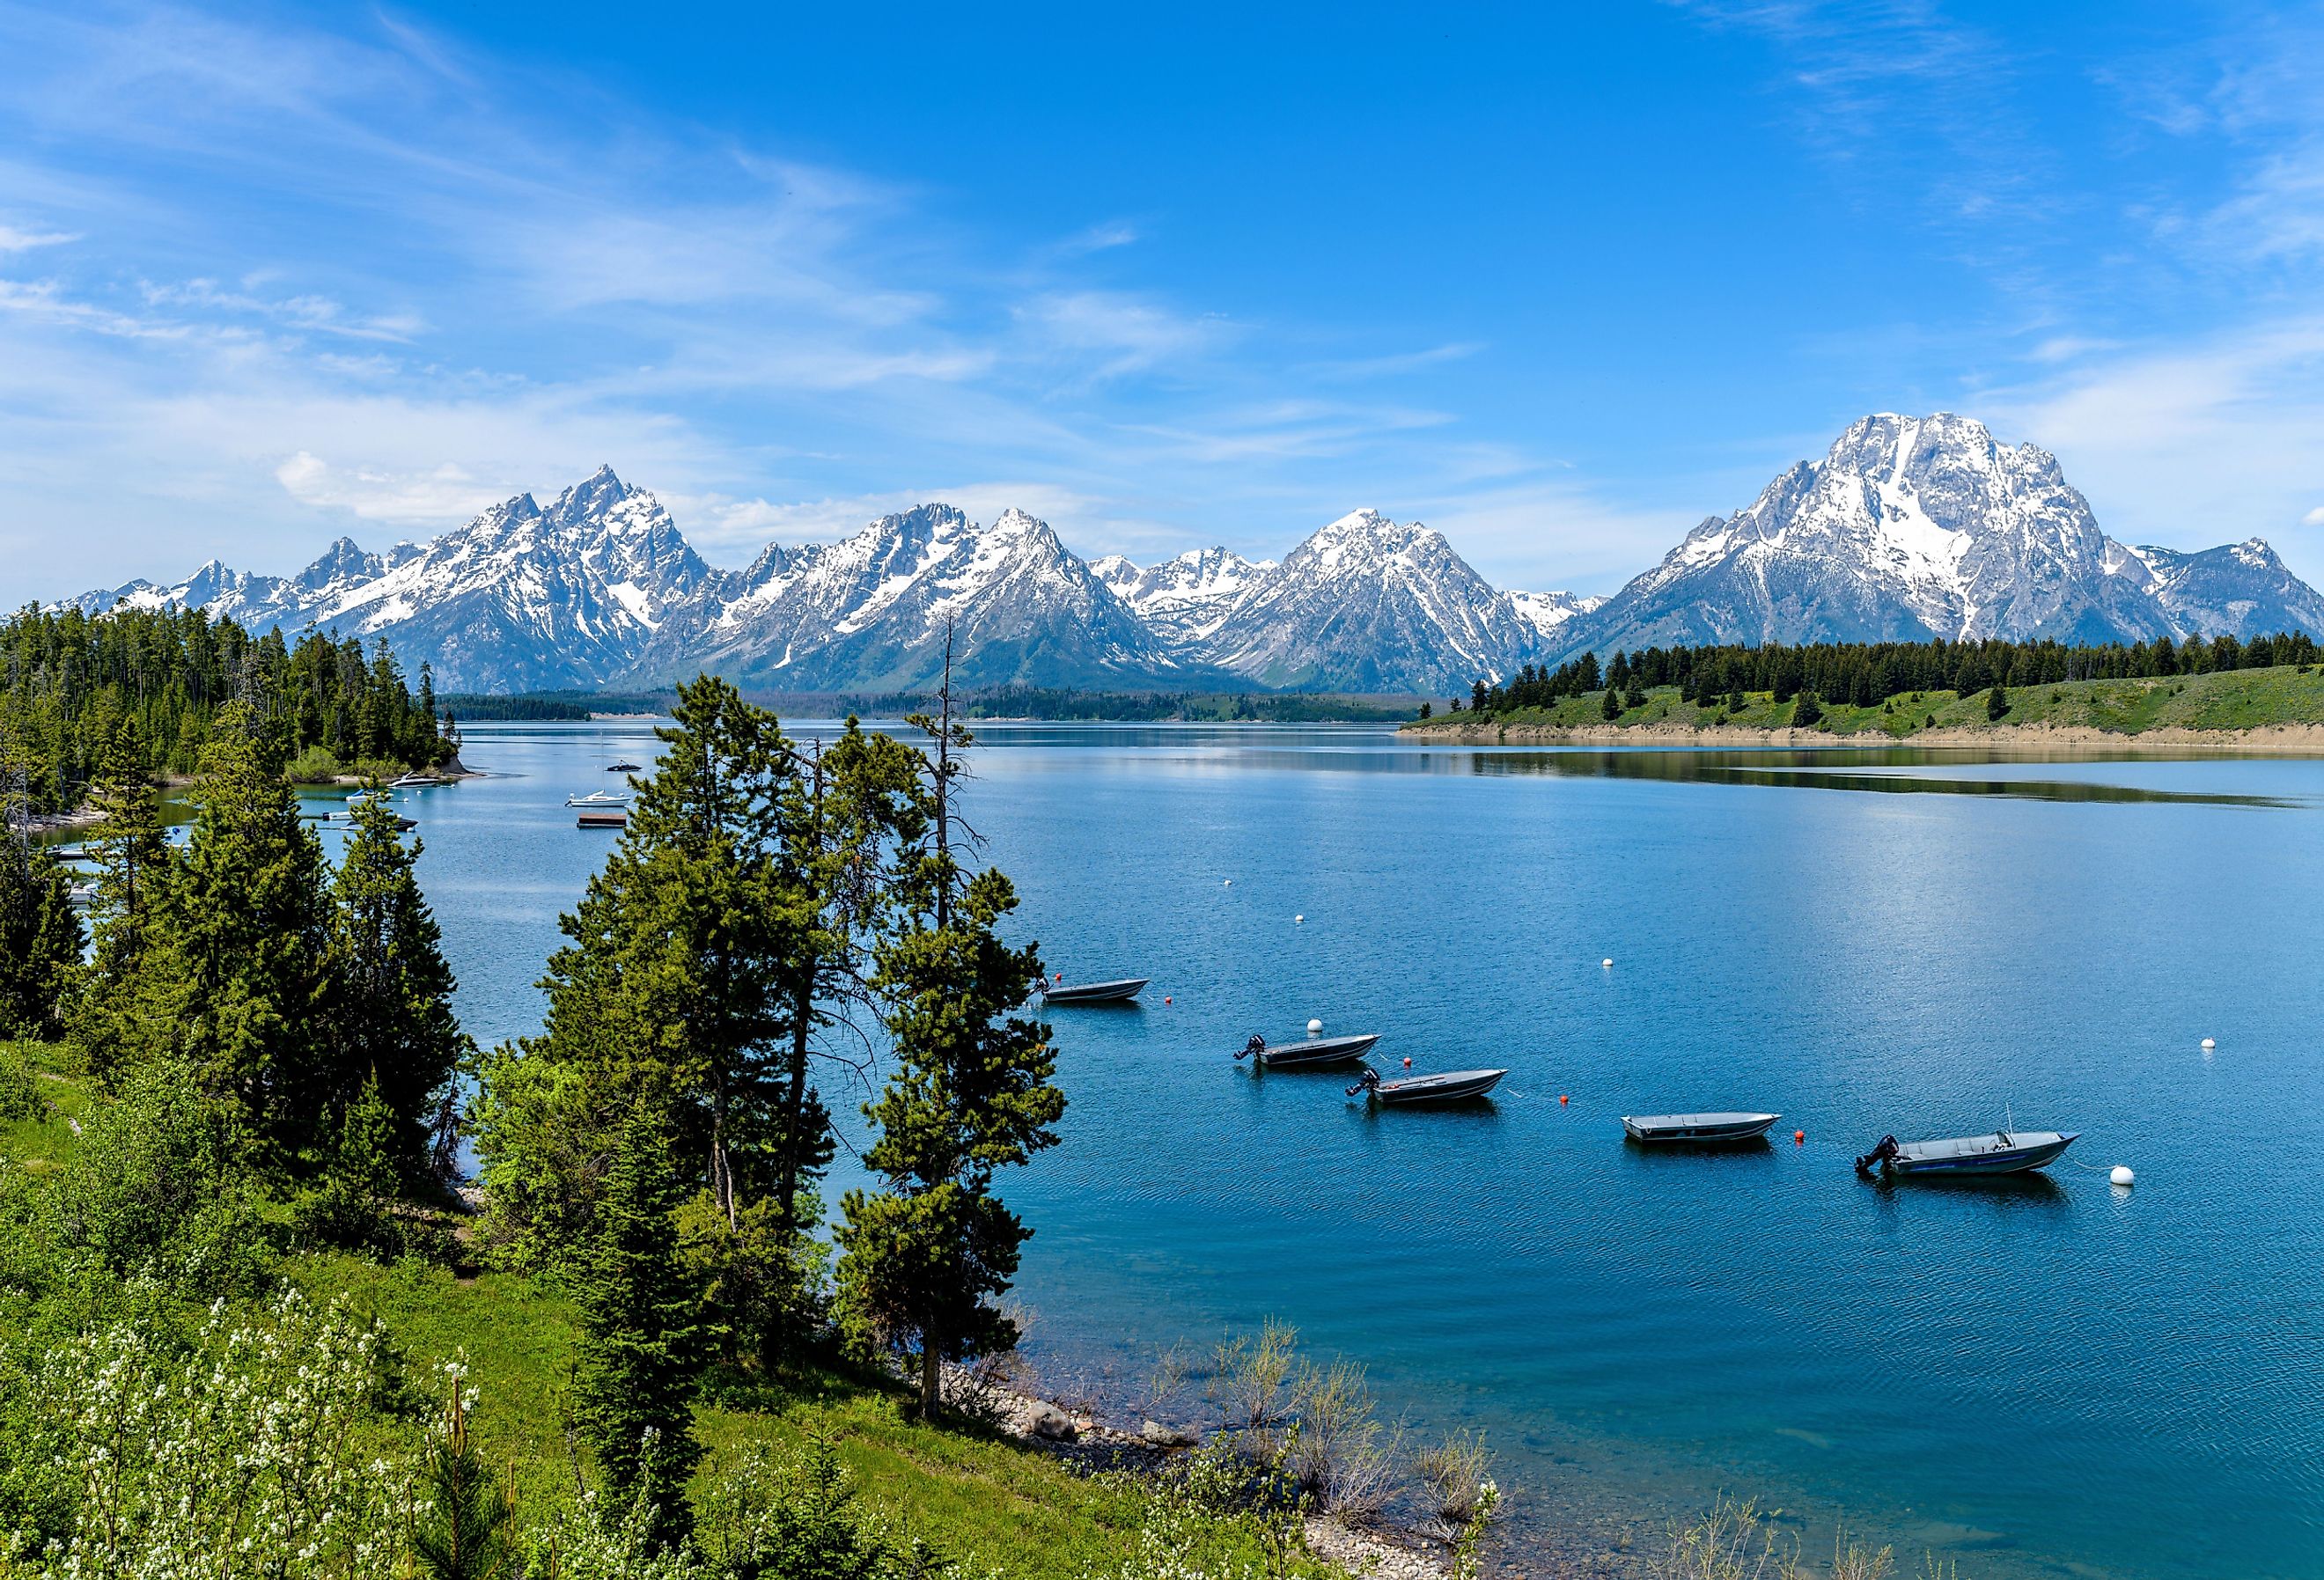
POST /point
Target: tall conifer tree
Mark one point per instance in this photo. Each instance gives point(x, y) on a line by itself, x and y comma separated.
point(642, 1340)
point(236, 982)
point(392, 1015)
point(924, 1255)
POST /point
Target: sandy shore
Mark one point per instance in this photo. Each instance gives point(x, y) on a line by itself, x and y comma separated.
point(2282, 740)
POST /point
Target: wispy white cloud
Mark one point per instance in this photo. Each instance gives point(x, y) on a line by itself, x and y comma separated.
point(13, 239)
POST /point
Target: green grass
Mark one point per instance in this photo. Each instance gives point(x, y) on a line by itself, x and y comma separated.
point(1008, 1510)
point(45, 1143)
point(2226, 701)
point(1012, 1510)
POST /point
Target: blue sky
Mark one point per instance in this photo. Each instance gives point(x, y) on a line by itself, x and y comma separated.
point(1559, 280)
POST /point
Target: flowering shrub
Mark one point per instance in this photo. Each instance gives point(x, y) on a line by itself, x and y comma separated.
point(237, 1457)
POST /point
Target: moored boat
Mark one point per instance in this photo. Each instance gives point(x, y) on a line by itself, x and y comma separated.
point(1094, 992)
point(1698, 1129)
point(1450, 1087)
point(416, 782)
point(1314, 1053)
point(624, 766)
point(599, 799)
point(2002, 1152)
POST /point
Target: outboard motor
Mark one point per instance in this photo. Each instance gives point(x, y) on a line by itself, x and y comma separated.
point(1370, 1082)
point(1885, 1153)
point(1255, 1047)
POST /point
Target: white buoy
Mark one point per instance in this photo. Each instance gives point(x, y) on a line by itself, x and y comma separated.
point(2122, 1176)
point(2208, 1043)
point(1608, 963)
point(1300, 919)
point(1314, 1028)
point(1226, 882)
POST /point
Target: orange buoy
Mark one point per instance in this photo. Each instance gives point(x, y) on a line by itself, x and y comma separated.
point(1407, 1061)
point(1166, 998)
point(1561, 1099)
point(1799, 1137)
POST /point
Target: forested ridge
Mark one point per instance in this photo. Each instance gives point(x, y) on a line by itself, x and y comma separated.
point(69, 680)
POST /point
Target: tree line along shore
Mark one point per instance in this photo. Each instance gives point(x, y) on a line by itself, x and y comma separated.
point(2270, 691)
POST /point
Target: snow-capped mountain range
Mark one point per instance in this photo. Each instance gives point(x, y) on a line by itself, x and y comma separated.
point(1909, 528)
point(1912, 528)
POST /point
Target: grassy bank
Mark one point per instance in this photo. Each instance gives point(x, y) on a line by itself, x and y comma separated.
point(2230, 701)
point(987, 1504)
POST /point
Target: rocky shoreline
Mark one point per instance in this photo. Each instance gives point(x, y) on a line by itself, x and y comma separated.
point(1085, 1440)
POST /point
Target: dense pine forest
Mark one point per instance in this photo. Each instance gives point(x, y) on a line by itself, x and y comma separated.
point(70, 681)
point(1870, 674)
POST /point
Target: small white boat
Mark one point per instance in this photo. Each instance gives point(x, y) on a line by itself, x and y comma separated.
point(416, 782)
point(1316, 1053)
point(1450, 1086)
point(2002, 1152)
point(1094, 992)
point(599, 799)
point(1700, 1129)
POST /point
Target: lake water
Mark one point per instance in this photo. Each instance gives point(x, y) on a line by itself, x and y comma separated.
point(2057, 1378)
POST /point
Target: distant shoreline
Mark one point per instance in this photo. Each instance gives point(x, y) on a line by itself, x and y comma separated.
point(2300, 740)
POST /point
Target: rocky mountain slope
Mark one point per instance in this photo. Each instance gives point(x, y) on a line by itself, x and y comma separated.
point(1908, 528)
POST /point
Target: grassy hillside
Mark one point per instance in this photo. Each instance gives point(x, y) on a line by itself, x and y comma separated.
point(982, 1500)
point(2226, 700)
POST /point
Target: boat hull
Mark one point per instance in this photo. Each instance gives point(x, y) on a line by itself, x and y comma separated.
point(1095, 992)
point(1318, 1053)
point(1452, 1086)
point(1979, 1157)
point(1696, 1129)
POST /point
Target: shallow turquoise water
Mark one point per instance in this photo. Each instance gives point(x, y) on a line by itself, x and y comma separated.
point(2058, 1378)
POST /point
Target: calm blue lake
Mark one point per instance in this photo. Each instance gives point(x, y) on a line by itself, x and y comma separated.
point(2057, 1379)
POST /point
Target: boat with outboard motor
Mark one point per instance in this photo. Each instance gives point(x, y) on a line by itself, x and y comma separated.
point(1450, 1086)
point(599, 799)
point(1094, 992)
point(1316, 1053)
point(1697, 1129)
point(2007, 1151)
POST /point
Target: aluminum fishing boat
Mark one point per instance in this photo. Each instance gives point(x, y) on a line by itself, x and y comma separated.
point(1316, 1053)
point(2002, 1152)
point(1452, 1086)
point(1094, 992)
point(1698, 1129)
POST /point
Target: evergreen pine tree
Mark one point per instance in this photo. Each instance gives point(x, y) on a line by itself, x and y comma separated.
point(467, 1531)
point(392, 1021)
point(236, 979)
point(1807, 710)
point(1996, 703)
point(642, 1340)
point(923, 1256)
point(1611, 705)
point(132, 858)
point(40, 940)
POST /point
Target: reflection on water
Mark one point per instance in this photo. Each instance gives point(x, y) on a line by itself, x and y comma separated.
point(1815, 771)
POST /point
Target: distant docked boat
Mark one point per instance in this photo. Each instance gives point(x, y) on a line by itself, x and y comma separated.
point(416, 782)
point(624, 766)
point(611, 820)
point(2002, 1152)
point(1094, 992)
point(1316, 1053)
point(1700, 1129)
point(1450, 1086)
point(599, 799)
